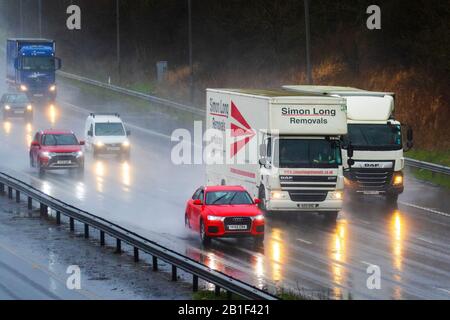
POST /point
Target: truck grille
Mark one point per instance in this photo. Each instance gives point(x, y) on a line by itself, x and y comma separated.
point(372, 179)
point(328, 182)
point(233, 221)
point(308, 195)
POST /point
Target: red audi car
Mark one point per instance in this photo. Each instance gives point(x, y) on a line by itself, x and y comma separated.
point(56, 149)
point(224, 211)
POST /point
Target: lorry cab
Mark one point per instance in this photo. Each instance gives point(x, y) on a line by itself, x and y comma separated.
point(376, 138)
point(284, 148)
point(105, 133)
point(31, 66)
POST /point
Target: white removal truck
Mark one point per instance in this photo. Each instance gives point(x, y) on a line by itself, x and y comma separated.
point(376, 138)
point(284, 148)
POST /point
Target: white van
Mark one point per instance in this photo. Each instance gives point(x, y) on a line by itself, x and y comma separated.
point(106, 134)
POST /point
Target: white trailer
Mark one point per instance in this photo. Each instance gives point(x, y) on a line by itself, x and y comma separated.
point(284, 148)
point(375, 136)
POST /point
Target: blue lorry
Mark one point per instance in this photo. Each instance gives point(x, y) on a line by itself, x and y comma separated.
point(31, 66)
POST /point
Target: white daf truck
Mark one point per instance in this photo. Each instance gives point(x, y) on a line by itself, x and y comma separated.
point(283, 147)
point(375, 136)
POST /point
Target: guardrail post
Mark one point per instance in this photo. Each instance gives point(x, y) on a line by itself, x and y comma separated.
point(72, 224)
point(155, 263)
point(217, 290)
point(2, 188)
point(136, 254)
point(58, 217)
point(194, 283)
point(102, 238)
point(174, 273)
point(118, 246)
point(43, 209)
point(10, 191)
point(17, 196)
point(30, 203)
point(86, 231)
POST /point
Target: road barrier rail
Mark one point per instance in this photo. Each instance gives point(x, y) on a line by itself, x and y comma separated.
point(436, 168)
point(139, 243)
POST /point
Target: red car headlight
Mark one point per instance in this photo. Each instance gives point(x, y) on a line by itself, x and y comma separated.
point(259, 217)
point(215, 218)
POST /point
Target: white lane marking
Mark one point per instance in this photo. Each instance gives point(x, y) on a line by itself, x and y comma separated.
point(366, 263)
point(425, 240)
point(148, 131)
point(444, 290)
point(304, 241)
point(424, 208)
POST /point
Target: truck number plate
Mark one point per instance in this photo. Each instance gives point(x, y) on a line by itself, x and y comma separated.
point(19, 111)
point(308, 205)
point(113, 148)
point(38, 95)
point(237, 227)
point(64, 162)
point(371, 192)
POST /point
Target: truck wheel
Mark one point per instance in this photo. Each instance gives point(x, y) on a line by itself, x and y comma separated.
point(331, 217)
point(203, 237)
point(391, 198)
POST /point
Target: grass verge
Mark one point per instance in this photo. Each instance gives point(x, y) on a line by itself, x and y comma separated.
point(438, 157)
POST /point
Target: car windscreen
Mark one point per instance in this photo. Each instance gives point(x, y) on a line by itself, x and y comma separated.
point(59, 140)
point(109, 129)
point(228, 197)
point(16, 98)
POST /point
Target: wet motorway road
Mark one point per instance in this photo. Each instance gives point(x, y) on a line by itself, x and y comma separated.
point(410, 243)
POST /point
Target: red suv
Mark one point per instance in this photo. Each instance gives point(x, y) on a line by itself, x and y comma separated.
point(224, 211)
point(56, 149)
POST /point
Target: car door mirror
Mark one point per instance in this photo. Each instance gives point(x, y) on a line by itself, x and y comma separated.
point(82, 143)
point(35, 144)
point(256, 201)
point(198, 202)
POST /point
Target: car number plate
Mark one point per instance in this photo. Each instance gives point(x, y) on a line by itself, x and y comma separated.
point(19, 111)
point(64, 162)
point(237, 227)
point(113, 148)
point(308, 205)
point(371, 192)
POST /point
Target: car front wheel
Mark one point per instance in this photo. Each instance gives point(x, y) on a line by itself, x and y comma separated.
point(203, 237)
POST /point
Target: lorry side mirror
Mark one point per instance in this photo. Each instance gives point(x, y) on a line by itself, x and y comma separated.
point(58, 63)
point(350, 150)
point(410, 135)
point(90, 133)
point(350, 162)
point(16, 64)
point(263, 150)
point(128, 133)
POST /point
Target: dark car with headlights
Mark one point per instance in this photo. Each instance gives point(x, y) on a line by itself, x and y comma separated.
point(16, 105)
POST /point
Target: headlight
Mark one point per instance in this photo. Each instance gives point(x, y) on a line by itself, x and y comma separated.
point(29, 107)
point(336, 195)
point(215, 218)
point(126, 144)
point(259, 217)
point(79, 154)
point(7, 107)
point(279, 195)
point(398, 179)
point(99, 144)
point(52, 88)
point(23, 87)
point(46, 154)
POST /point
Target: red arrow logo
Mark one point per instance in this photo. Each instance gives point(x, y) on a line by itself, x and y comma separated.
point(246, 132)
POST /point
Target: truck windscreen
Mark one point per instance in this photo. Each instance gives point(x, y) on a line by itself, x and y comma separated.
point(38, 63)
point(374, 136)
point(306, 153)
